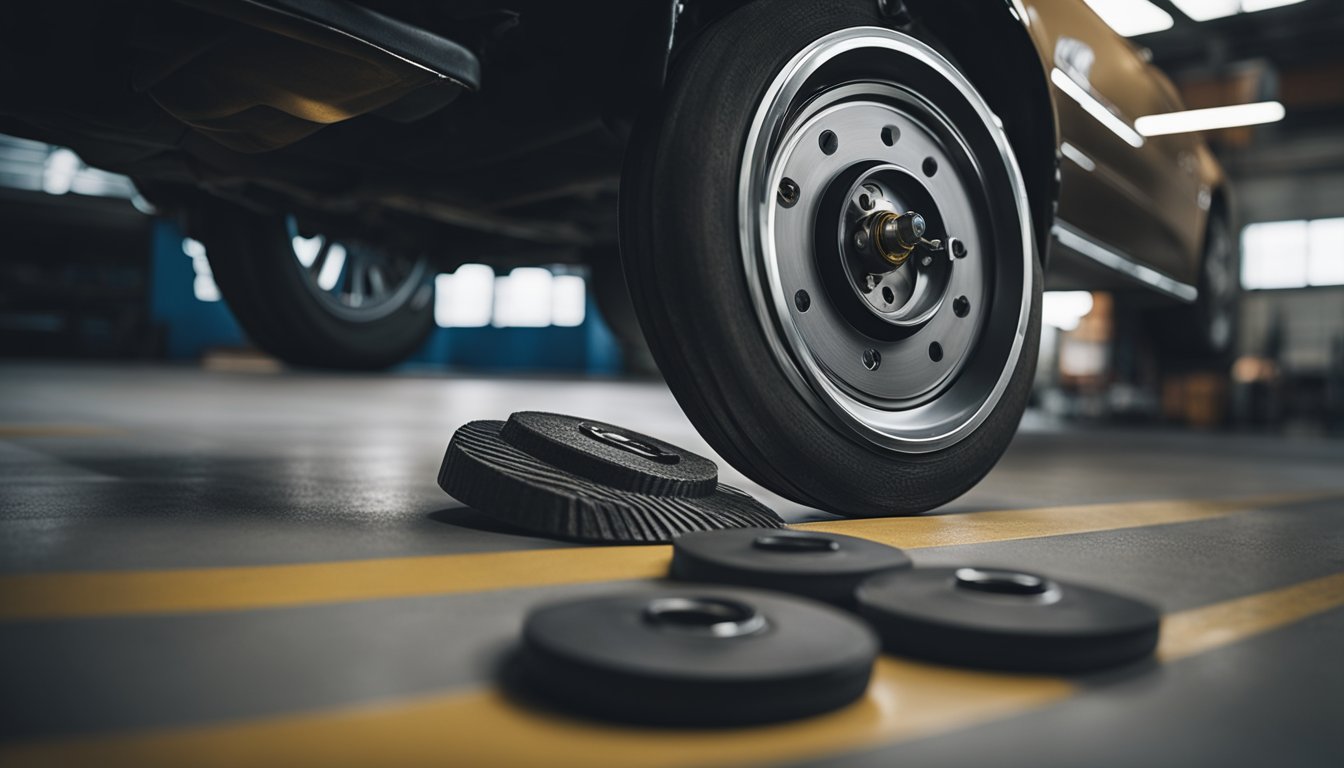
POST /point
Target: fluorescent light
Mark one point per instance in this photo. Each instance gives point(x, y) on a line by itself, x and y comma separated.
point(1095, 108)
point(1203, 10)
point(1210, 119)
point(1132, 17)
point(1251, 6)
point(1077, 156)
point(1065, 309)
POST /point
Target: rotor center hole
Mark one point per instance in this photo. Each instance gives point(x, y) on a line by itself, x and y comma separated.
point(793, 541)
point(1001, 582)
point(709, 616)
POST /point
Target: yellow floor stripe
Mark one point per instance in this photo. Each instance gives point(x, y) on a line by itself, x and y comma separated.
point(114, 593)
point(907, 700)
point(1010, 524)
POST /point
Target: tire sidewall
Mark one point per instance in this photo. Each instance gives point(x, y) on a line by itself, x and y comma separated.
point(264, 284)
point(698, 307)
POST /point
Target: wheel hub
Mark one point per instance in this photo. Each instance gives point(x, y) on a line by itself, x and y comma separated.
point(889, 230)
point(898, 274)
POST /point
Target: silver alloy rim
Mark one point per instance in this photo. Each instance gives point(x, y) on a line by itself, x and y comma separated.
point(911, 383)
point(357, 281)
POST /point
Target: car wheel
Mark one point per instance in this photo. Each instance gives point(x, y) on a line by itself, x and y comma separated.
point(805, 350)
point(1219, 287)
point(313, 300)
point(1203, 334)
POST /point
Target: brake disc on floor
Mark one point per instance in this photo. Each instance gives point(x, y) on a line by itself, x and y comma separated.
point(695, 656)
point(1009, 620)
point(822, 566)
point(590, 481)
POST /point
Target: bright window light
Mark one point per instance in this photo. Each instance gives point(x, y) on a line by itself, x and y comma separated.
point(569, 300)
point(1096, 109)
point(1325, 252)
point(465, 298)
point(1274, 255)
point(1065, 309)
point(332, 267)
point(306, 248)
point(1210, 119)
point(1131, 17)
point(1203, 10)
point(523, 298)
point(59, 173)
point(203, 284)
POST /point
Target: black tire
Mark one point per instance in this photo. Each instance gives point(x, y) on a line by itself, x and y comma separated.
point(680, 241)
point(612, 297)
point(265, 286)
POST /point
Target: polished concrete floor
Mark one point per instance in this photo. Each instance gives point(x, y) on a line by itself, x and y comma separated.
point(239, 568)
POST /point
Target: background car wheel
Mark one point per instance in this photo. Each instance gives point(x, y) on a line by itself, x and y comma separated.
point(316, 301)
point(793, 341)
point(1204, 334)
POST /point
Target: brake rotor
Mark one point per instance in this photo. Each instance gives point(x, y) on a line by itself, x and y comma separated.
point(1009, 620)
point(590, 481)
point(696, 656)
point(822, 566)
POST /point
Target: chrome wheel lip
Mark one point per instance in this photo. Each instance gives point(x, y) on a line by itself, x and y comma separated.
point(902, 431)
point(412, 288)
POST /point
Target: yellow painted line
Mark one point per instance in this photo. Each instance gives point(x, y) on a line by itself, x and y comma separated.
point(192, 590)
point(907, 700)
point(1011, 524)
point(14, 431)
point(1197, 630)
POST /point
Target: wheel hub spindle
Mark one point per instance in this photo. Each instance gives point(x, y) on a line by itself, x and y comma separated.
point(896, 235)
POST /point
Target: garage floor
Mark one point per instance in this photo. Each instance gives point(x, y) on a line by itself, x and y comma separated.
point(206, 568)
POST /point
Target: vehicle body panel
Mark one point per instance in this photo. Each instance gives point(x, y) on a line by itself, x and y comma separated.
point(1145, 198)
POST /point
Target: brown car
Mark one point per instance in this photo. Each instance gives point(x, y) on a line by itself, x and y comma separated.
point(835, 217)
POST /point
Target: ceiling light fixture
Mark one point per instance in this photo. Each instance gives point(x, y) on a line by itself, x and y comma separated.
point(1211, 119)
point(1133, 17)
point(1203, 10)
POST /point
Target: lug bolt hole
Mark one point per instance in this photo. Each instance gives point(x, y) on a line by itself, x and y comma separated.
point(935, 351)
point(828, 141)
point(958, 248)
point(802, 301)
point(961, 306)
point(871, 359)
point(890, 135)
point(788, 192)
point(887, 295)
point(865, 202)
point(930, 166)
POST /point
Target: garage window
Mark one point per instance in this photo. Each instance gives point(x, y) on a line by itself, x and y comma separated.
point(527, 297)
point(1292, 254)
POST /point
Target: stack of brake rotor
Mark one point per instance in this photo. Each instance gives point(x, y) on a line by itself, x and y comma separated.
point(760, 623)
